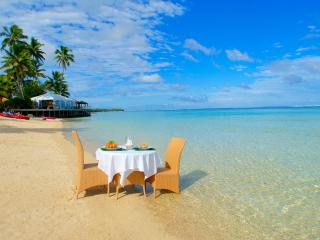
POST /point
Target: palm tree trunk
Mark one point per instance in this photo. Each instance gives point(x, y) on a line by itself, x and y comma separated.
point(20, 85)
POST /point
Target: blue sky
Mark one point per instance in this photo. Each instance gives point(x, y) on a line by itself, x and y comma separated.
point(183, 54)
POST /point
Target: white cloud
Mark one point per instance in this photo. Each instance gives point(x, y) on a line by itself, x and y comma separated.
point(144, 89)
point(287, 55)
point(236, 55)
point(112, 40)
point(277, 45)
point(162, 64)
point(196, 46)
point(313, 32)
point(312, 35)
point(306, 67)
point(305, 49)
point(190, 98)
point(238, 68)
point(189, 57)
point(154, 78)
point(312, 27)
point(216, 65)
point(283, 82)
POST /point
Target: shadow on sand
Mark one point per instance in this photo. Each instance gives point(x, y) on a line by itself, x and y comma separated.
point(187, 180)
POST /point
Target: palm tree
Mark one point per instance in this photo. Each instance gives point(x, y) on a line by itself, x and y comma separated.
point(18, 64)
point(35, 50)
point(57, 84)
point(32, 88)
point(22, 64)
point(7, 87)
point(12, 36)
point(38, 71)
point(64, 57)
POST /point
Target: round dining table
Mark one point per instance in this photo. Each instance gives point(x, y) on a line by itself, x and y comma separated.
point(125, 162)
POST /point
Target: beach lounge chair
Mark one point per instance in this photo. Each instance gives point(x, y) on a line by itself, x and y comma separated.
point(135, 177)
point(88, 174)
point(168, 177)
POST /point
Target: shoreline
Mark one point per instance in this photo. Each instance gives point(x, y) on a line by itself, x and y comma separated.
point(174, 224)
point(37, 195)
point(38, 183)
point(181, 214)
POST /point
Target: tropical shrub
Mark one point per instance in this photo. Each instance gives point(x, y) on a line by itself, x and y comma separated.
point(17, 103)
point(33, 88)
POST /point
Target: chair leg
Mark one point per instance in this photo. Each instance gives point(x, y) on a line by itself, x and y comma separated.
point(154, 189)
point(108, 190)
point(117, 192)
point(77, 193)
point(144, 190)
point(75, 190)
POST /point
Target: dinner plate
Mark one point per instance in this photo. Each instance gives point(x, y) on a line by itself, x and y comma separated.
point(112, 149)
point(143, 149)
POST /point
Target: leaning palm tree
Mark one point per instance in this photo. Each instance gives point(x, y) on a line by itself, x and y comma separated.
point(35, 50)
point(12, 36)
point(64, 57)
point(57, 84)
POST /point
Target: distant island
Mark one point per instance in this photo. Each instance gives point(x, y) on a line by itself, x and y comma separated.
point(106, 110)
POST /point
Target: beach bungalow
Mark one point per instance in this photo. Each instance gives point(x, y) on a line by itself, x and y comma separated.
point(54, 105)
point(51, 100)
point(81, 104)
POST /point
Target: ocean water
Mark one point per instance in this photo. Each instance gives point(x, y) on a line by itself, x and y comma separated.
point(245, 173)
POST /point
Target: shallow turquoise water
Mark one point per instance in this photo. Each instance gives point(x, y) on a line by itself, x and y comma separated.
point(250, 170)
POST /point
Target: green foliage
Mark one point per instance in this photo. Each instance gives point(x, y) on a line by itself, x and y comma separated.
point(17, 103)
point(12, 36)
point(38, 71)
point(64, 57)
point(35, 50)
point(22, 65)
point(7, 87)
point(57, 84)
point(33, 88)
point(17, 60)
point(18, 64)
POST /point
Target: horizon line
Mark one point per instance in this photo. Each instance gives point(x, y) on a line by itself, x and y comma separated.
point(225, 108)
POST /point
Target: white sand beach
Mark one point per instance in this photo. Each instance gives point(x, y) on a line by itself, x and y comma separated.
point(37, 200)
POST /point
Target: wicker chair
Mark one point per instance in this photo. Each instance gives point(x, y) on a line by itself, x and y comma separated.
point(88, 174)
point(168, 177)
point(135, 177)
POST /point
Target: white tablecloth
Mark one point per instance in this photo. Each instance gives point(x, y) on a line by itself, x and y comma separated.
point(125, 162)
